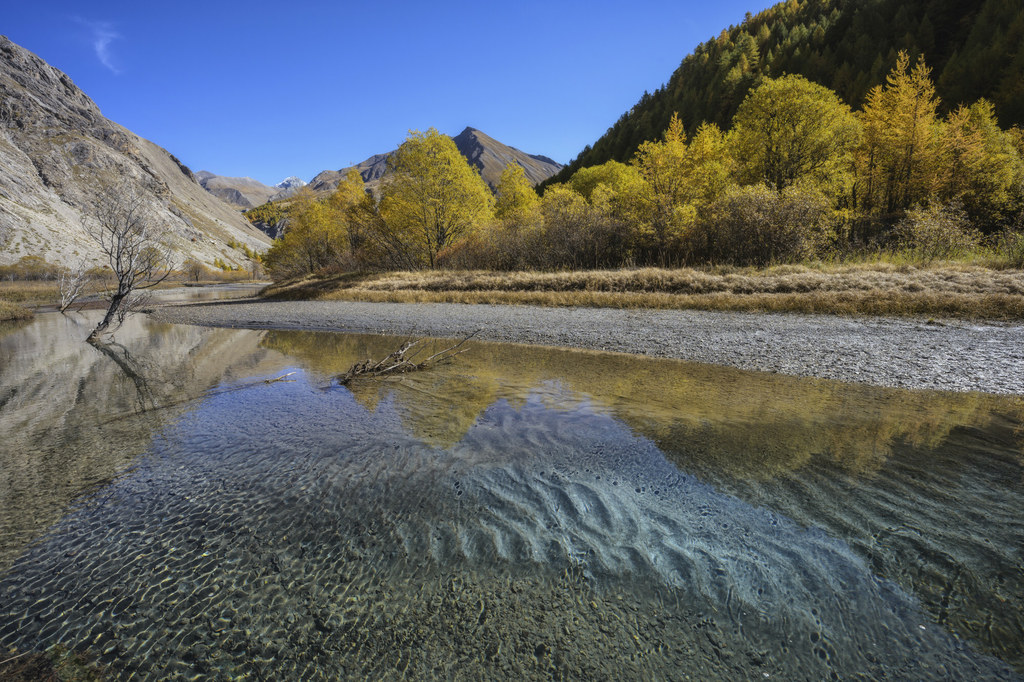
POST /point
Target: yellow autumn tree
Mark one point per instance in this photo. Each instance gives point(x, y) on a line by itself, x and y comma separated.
point(662, 166)
point(433, 196)
point(898, 161)
point(790, 129)
point(567, 238)
point(511, 242)
point(347, 202)
point(678, 179)
point(981, 167)
point(708, 165)
point(315, 238)
point(613, 190)
point(517, 203)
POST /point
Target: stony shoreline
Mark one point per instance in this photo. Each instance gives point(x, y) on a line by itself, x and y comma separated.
point(949, 355)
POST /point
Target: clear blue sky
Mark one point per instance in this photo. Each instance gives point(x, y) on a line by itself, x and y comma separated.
point(270, 90)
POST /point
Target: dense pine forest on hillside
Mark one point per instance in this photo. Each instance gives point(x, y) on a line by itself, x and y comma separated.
point(975, 48)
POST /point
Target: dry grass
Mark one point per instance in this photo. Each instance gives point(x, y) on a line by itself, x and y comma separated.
point(946, 290)
point(13, 311)
point(29, 292)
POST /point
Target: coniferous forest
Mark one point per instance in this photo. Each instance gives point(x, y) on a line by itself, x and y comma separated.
point(974, 47)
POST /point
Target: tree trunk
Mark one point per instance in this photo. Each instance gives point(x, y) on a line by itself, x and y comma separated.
point(115, 303)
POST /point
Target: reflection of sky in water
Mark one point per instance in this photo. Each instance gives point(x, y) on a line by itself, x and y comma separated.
point(289, 528)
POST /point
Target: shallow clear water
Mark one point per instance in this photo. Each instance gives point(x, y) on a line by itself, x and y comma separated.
point(216, 292)
point(519, 513)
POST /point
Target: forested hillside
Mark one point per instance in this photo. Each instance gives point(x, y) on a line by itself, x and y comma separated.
point(975, 48)
point(735, 161)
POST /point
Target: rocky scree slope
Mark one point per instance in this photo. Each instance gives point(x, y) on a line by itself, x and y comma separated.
point(57, 149)
point(239, 192)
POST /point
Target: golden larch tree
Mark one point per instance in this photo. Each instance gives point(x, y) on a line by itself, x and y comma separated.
point(433, 196)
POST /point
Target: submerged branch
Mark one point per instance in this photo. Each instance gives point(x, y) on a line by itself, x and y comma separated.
point(403, 360)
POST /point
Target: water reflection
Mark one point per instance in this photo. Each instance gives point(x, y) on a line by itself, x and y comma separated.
point(74, 415)
point(711, 420)
point(519, 513)
point(926, 486)
point(218, 292)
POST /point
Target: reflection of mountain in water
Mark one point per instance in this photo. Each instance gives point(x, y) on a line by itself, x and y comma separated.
point(74, 416)
point(325, 538)
point(923, 485)
point(506, 516)
point(708, 418)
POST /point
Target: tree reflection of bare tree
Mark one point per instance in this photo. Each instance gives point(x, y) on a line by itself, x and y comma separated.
point(122, 357)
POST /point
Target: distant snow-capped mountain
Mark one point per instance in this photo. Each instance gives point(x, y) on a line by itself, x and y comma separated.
point(291, 182)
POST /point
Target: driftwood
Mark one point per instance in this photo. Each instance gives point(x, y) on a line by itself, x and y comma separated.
point(403, 360)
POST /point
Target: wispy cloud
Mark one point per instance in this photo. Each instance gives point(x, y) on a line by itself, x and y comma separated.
point(102, 33)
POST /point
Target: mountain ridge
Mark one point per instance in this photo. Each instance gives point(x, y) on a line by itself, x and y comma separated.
point(488, 155)
point(56, 150)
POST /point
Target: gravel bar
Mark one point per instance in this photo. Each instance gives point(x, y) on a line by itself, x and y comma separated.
point(907, 353)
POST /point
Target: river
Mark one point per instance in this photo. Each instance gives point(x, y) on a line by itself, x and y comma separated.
point(199, 502)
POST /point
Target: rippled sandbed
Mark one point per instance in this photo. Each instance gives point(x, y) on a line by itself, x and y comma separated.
point(520, 513)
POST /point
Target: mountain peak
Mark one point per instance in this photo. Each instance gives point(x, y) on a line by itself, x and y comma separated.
point(291, 182)
point(479, 148)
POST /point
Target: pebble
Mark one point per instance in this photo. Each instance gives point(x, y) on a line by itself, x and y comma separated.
point(957, 356)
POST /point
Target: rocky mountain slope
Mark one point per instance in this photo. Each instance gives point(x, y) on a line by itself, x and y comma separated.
point(239, 192)
point(246, 192)
point(57, 150)
point(481, 150)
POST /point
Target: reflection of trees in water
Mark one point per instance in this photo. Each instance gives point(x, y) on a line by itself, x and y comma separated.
point(745, 424)
point(886, 470)
point(74, 415)
point(122, 357)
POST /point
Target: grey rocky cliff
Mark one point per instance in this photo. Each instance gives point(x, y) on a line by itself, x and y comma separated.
point(56, 148)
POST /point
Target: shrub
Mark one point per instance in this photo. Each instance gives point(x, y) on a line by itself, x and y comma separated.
point(516, 247)
point(30, 268)
point(759, 226)
point(1009, 246)
point(471, 253)
point(937, 232)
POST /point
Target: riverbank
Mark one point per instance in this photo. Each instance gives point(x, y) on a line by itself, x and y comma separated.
point(947, 290)
point(47, 292)
point(12, 311)
point(904, 353)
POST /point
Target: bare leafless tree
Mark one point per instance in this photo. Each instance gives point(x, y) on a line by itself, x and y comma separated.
point(135, 247)
point(72, 281)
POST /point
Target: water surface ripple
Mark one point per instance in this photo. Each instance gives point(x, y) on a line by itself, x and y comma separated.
point(522, 513)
